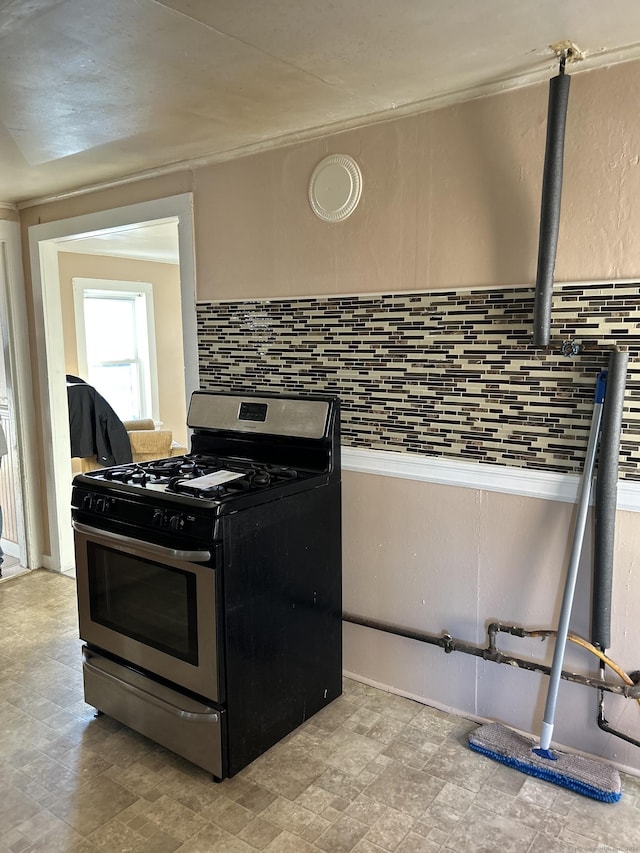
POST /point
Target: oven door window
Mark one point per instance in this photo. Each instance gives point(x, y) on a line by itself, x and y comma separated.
point(149, 602)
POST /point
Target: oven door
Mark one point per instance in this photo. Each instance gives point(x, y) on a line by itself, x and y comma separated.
point(153, 607)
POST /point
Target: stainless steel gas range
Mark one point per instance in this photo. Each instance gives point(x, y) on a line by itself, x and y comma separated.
point(209, 585)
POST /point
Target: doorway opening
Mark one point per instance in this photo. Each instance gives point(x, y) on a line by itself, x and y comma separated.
point(10, 498)
point(19, 484)
point(113, 244)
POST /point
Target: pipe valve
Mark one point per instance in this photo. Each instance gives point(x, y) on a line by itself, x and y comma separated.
point(570, 348)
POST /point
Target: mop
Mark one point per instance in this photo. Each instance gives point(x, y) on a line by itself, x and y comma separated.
point(584, 775)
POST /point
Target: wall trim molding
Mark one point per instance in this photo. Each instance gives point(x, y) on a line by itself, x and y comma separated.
point(525, 482)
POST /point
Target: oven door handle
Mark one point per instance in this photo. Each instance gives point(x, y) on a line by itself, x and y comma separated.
point(150, 547)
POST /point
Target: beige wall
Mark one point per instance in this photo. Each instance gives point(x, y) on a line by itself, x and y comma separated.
point(165, 279)
point(450, 198)
point(441, 559)
point(106, 199)
point(8, 214)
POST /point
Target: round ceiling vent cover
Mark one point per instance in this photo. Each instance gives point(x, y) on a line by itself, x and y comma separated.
point(335, 187)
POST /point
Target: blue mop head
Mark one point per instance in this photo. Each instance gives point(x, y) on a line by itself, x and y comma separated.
point(583, 775)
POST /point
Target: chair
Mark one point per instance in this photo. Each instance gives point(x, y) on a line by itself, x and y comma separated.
point(148, 443)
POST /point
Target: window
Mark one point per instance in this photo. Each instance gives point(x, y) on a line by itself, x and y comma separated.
point(116, 344)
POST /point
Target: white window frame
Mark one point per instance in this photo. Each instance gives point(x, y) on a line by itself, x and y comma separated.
point(133, 288)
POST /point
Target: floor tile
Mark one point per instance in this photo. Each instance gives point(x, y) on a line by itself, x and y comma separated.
point(372, 773)
point(408, 791)
point(486, 832)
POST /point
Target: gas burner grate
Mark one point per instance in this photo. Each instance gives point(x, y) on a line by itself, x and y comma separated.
point(182, 475)
point(120, 474)
point(251, 476)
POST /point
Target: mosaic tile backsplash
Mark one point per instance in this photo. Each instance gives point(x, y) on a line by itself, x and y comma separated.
point(448, 374)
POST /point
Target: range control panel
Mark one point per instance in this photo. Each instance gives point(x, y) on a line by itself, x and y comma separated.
point(297, 417)
point(144, 516)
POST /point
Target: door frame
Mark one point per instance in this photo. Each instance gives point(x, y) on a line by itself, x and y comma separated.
point(44, 242)
point(15, 340)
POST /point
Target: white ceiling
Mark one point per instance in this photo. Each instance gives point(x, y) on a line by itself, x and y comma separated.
point(97, 90)
point(146, 241)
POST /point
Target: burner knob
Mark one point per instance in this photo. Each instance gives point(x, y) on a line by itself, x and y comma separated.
point(88, 502)
point(176, 522)
point(159, 518)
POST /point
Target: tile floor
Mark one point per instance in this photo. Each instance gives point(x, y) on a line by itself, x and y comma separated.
point(372, 773)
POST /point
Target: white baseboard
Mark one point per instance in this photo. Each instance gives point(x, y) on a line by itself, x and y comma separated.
point(479, 475)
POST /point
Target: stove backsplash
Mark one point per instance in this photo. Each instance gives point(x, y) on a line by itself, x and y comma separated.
point(450, 374)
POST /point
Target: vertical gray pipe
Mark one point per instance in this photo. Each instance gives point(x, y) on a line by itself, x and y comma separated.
point(607, 499)
point(550, 206)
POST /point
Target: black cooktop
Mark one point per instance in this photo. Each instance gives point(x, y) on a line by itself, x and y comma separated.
point(200, 476)
point(246, 450)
